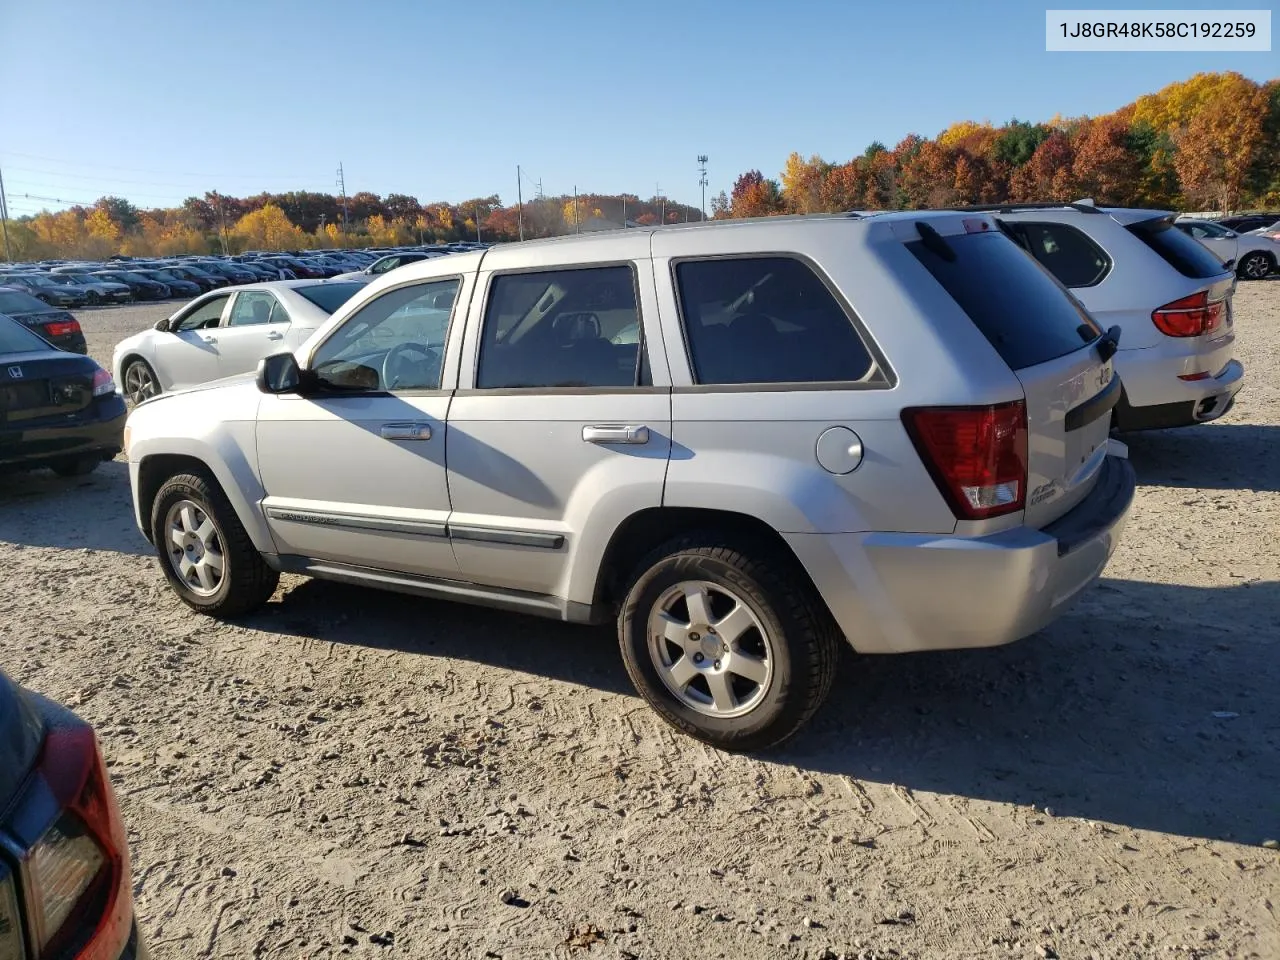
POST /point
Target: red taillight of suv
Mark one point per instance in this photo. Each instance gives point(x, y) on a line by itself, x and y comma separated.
point(77, 874)
point(61, 328)
point(976, 455)
point(1191, 316)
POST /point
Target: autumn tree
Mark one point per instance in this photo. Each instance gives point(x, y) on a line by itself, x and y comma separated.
point(1221, 143)
point(928, 174)
point(802, 183)
point(268, 229)
point(1104, 167)
point(1047, 175)
point(754, 196)
point(720, 209)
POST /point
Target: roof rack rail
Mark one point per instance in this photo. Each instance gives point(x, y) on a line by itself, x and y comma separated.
point(1081, 205)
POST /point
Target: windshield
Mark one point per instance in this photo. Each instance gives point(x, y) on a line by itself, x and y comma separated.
point(12, 301)
point(161, 275)
point(329, 296)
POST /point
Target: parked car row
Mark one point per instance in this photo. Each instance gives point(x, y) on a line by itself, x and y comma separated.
point(126, 279)
point(744, 444)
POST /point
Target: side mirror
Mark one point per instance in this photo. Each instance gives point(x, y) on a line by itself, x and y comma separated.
point(163, 325)
point(279, 373)
point(1231, 234)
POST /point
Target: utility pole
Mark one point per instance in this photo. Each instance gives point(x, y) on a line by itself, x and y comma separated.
point(577, 215)
point(662, 204)
point(519, 202)
point(342, 186)
point(478, 240)
point(4, 219)
point(624, 211)
point(702, 181)
point(222, 221)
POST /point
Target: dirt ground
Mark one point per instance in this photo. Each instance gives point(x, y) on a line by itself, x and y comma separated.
point(358, 772)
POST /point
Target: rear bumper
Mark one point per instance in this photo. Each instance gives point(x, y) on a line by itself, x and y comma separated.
point(898, 593)
point(101, 435)
point(1200, 402)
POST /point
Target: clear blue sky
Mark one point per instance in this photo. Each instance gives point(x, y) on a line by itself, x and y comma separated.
point(442, 98)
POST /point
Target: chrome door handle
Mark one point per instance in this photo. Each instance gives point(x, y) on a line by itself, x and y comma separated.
point(274, 335)
point(615, 433)
point(406, 431)
point(209, 339)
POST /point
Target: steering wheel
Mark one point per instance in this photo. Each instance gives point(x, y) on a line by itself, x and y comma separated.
point(394, 363)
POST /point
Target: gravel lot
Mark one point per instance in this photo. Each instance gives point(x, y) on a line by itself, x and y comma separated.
point(357, 772)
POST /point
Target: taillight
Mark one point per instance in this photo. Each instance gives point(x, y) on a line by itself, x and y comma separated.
point(103, 385)
point(77, 873)
point(976, 455)
point(61, 328)
point(1191, 316)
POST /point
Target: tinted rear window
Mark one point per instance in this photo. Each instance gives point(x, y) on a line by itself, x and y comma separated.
point(11, 301)
point(15, 338)
point(329, 296)
point(1185, 254)
point(1017, 305)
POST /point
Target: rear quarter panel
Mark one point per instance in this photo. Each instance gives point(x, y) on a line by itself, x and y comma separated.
point(753, 449)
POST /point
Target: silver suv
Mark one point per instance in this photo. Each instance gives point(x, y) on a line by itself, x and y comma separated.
point(741, 443)
point(1170, 296)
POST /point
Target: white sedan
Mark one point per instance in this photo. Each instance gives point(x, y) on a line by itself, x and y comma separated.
point(225, 333)
point(389, 262)
point(1255, 255)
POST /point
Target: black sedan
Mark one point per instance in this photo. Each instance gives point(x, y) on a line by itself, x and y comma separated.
point(57, 326)
point(143, 287)
point(57, 409)
point(202, 278)
point(65, 886)
point(44, 287)
point(177, 286)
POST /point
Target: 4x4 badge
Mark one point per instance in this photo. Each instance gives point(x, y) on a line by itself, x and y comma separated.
point(15, 373)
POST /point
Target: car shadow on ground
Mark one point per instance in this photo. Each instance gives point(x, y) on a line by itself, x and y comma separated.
point(1150, 705)
point(41, 509)
point(1212, 456)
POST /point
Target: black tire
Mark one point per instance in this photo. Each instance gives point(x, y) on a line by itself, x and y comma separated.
point(1255, 266)
point(142, 369)
point(93, 298)
point(247, 583)
point(805, 641)
point(79, 467)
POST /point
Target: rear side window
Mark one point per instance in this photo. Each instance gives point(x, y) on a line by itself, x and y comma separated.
point(562, 328)
point(1185, 254)
point(767, 320)
point(1027, 317)
point(1065, 251)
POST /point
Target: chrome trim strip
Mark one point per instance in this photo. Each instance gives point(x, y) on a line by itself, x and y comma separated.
point(421, 528)
point(518, 538)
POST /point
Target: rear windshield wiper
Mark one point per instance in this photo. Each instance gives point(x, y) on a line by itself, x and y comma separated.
point(934, 242)
point(1108, 344)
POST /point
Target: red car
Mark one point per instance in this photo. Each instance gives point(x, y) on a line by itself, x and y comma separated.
point(65, 889)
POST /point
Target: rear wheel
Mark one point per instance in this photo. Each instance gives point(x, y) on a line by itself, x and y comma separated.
point(93, 298)
point(727, 642)
point(205, 553)
point(140, 381)
point(1255, 266)
point(77, 467)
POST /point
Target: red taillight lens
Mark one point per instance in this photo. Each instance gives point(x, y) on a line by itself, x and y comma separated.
point(977, 455)
point(62, 327)
point(103, 385)
point(79, 870)
point(1191, 316)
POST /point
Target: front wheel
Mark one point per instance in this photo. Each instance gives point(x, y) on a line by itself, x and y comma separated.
point(728, 643)
point(1255, 266)
point(204, 551)
point(140, 381)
